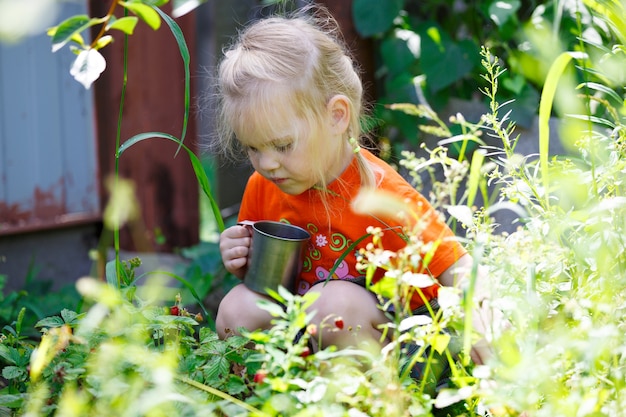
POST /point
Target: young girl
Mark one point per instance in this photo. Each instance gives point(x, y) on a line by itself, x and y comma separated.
point(291, 99)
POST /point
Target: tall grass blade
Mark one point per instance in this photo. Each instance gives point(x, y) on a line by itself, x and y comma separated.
point(612, 12)
point(223, 395)
point(474, 176)
point(195, 162)
point(545, 111)
point(118, 138)
point(184, 53)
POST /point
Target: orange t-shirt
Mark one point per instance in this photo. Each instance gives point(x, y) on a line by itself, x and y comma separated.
point(334, 230)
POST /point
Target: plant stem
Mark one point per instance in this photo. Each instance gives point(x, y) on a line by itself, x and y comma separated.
point(107, 18)
point(222, 395)
point(116, 226)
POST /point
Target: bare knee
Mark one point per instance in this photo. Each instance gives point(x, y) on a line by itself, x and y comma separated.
point(239, 309)
point(347, 313)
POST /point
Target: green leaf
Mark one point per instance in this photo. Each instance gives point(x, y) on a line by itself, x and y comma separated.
point(63, 33)
point(125, 24)
point(208, 335)
point(515, 84)
point(157, 3)
point(594, 119)
point(103, 41)
point(500, 11)
point(545, 111)
point(235, 385)
point(184, 54)
point(350, 249)
point(144, 12)
point(216, 367)
point(386, 287)
point(474, 177)
point(110, 273)
point(12, 372)
point(20, 320)
point(237, 342)
point(400, 51)
point(440, 342)
point(274, 309)
point(603, 89)
point(14, 401)
point(70, 317)
point(5, 354)
point(182, 7)
point(613, 13)
point(443, 61)
point(372, 17)
point(284, 293)
point(195, 162)
point(276, 296)
point(169, 319)
point(54, 321)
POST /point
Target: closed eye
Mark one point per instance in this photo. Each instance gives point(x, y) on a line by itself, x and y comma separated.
point(283, 147)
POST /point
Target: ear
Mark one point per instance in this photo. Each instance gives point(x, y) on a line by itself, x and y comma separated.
point(339, 111)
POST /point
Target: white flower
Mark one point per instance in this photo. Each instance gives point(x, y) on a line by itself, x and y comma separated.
point(414, 321)
point(87, 67)
point(417, 280)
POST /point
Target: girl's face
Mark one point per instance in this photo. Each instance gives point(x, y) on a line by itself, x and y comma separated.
point(284, 149)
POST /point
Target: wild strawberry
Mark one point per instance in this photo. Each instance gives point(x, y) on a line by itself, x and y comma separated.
point(174, 311)
point(260, 375)
point(305, 352)
point(339, 323)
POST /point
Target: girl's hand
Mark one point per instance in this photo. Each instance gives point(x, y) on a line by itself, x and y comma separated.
point(234, 247)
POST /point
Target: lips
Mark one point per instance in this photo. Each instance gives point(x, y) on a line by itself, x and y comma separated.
point(278, 181)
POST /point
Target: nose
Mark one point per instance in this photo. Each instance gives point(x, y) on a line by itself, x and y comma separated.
point(268, 161)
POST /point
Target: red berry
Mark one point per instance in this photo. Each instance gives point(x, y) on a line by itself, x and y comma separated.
point(174, 311)
point(339, 323)
point(260, 375)
point(305, 352)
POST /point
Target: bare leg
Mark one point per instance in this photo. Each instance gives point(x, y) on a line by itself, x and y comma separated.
point(355, 306)
point(239, 308)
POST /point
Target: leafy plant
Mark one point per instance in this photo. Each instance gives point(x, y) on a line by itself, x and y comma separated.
point(427, 52)
point(32, 302)
point(560, 277)
point(90, 63)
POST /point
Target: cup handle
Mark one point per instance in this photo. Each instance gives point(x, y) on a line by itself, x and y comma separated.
point(246, 223)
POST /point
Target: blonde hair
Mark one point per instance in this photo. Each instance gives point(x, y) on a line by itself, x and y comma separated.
point(300, 56)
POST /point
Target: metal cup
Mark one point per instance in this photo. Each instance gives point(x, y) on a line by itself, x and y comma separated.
point(275, 255)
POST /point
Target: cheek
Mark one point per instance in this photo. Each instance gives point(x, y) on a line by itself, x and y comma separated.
point(254, 159)
point(299, 166)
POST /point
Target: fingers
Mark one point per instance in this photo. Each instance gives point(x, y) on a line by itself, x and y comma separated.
point(234, 247)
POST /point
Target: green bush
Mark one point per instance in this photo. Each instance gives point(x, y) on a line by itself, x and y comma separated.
point(427, 52)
